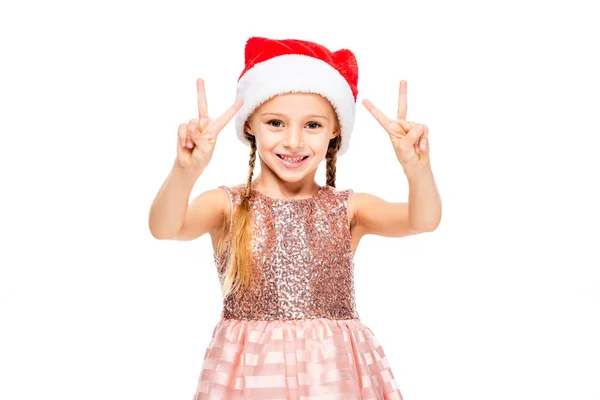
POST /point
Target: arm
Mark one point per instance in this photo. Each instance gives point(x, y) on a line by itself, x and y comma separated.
point(422, 212)
point(206, 213)
point(424, 200)
point(171, 217)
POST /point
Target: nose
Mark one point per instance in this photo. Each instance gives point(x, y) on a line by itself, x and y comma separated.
point(294, 138)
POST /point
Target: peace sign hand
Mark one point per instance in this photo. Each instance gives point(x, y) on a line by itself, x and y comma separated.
point(197, 138)
point(409, 139)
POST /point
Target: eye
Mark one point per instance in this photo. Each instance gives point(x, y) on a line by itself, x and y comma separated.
point(314, 125)
point(274, 123)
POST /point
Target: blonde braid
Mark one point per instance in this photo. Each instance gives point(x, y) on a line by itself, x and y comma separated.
point(331, 157)
point(238, 271)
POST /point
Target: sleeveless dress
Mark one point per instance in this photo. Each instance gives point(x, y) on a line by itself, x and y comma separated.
point(295, 332)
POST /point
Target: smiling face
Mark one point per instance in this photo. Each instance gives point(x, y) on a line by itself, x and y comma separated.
point(292, 133)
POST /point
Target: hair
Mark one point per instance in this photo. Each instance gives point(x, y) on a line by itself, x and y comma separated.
point(238, 272)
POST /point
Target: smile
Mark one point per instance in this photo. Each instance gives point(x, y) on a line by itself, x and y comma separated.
point(292, 162)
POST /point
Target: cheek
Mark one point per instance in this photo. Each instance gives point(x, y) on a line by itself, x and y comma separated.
point(266, 142)
point(318, 143)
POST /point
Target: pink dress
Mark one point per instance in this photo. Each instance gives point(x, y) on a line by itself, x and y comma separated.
point(295, 333)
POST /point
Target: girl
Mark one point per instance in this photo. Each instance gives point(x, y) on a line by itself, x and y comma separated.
point(284, 245)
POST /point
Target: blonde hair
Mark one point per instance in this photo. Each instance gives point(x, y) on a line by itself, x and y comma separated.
point(238, 271)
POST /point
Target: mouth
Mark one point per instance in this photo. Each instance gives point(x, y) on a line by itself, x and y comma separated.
point(292, 162)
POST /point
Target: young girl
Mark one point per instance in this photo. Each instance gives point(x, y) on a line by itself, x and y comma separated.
point(284, 245)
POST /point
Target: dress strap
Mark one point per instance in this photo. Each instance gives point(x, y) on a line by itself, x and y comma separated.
point(343, 197)
point(232, 201)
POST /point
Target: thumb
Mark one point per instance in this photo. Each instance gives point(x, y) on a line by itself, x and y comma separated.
point(415, 133)
point(203, 123)
point(201, 128)
point(405, 125)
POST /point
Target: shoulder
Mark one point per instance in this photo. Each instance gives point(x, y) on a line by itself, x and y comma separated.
point(214, 199)
point(343, 194)
point(222, 197)
point(206, 213)
point(374, 215)
point(357, 201)
point(234, 192)
point(345, 198)
point(226, 197)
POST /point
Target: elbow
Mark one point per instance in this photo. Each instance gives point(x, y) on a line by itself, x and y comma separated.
point(431, 228)
point(159, 231)
point(428, 224)
point(158, 234)
point(426, 227)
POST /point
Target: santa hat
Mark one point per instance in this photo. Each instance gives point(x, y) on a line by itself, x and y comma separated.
point(275, 67)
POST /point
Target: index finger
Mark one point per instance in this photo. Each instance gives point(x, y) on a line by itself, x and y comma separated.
point(379, 116)
point(227, 115)
point(202, 104)
point(402, 101)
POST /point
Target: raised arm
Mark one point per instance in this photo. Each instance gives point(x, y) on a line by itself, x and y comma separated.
point(171, 217)
point(422, 212)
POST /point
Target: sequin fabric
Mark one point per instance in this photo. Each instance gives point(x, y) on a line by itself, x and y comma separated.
point(295, 333)
point(302, 258)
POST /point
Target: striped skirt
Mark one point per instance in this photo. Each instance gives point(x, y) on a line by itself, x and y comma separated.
point(316, 358)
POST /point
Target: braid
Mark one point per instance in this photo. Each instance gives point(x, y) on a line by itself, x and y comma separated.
point(331, 157)
point(251, 162)
point(238, 272)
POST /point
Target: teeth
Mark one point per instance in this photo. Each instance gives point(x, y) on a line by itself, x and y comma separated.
point(292, 159)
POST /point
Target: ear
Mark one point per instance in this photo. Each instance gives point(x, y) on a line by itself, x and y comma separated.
point(248, 128)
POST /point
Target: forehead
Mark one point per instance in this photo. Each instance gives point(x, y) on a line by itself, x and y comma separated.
point(297, 103)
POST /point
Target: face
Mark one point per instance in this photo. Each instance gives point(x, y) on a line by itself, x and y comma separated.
point(292, 133)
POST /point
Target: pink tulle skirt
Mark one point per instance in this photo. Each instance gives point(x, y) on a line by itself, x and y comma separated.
point(295, 359)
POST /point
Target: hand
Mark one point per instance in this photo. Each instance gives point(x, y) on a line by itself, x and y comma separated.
point(410, 143)
point(197, 139)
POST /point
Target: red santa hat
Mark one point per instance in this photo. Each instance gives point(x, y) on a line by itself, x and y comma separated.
point(275, 67)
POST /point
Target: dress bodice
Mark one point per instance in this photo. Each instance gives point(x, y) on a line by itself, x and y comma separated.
point(302, 260)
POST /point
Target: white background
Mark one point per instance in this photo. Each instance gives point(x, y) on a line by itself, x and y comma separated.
point(501, 302)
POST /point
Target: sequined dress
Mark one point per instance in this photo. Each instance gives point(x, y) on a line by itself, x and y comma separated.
point(295, 333)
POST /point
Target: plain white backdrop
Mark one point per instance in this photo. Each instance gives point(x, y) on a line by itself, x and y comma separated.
point(501, 302)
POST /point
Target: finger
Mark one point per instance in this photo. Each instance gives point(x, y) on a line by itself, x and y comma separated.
point(191, 132)
point(227, 115)
point(417, 145)
point(424, 142)
point(397, 128)
point(202, 124)
point(199, 131)
point(402, 101)
point(384, 121)
point(182, 134)
point(202, 103)
point(409, 125)
point(414, 134)
point(405, 125)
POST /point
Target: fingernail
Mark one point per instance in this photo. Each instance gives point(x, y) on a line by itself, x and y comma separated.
point(420, 127)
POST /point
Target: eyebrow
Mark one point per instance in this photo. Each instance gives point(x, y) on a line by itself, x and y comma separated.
point(308, 116)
